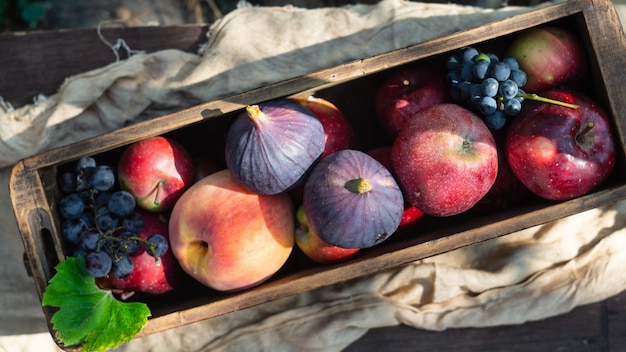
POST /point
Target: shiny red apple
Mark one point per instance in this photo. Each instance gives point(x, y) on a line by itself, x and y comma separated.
point(445, 159)
point(408, 89)
point(561, 152)
point(156, 171)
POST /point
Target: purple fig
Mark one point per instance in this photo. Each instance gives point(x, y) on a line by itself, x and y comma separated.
point(352, 200)
point(272, 145)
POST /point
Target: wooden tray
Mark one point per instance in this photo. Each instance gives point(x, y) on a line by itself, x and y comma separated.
point(351, 87)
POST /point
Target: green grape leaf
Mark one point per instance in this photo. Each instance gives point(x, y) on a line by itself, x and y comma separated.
point(88, 315)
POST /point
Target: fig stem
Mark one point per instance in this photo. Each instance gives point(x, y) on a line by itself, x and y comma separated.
point(580, 136)
point(253, 111)
point(359, 185)
point(533, 96)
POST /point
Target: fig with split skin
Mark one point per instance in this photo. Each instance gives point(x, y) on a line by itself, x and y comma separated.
point(272, 145)
point(352, 201)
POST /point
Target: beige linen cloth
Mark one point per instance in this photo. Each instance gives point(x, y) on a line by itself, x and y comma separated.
point(529, 275)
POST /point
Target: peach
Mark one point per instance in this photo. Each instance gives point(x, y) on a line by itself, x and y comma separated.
point(229, 238)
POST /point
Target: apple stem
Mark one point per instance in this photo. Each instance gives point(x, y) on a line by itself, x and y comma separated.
point(580, 137)
point(533, 96)
point(157, 190)
point(359, 185)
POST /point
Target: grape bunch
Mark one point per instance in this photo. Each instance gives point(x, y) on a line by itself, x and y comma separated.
point(99, 221)
point(486, 84)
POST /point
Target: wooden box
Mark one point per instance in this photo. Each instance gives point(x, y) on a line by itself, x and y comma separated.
point(351, 87)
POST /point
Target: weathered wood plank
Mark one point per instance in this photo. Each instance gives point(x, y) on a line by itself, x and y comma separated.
point(33, 63)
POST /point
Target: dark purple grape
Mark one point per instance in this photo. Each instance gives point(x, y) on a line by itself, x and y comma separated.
point(508, 89)
point(464, 88)
point(121, 203)
point(98, 264)
point(71, 206)
point(85, 163)
point(495, 121)
point(67, 182)
point(102, 178)
point(489, 87)
point(500, 71)
point(481, 67)
point(453, 78)
point(122, 267)
point(512, 62)
point(133, 222)
point(519, 77)
point(468, 54)
point(512, 107)
point(453, 63)
point(106, 220)
point(89, 240)
point(474, 95)
point(127, 245)
point(72, 228)
point(159, 245)
point(102, 198)
point(487, 105)
point(467, 71)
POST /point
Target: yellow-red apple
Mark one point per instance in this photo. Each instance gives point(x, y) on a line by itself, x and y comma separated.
point(229, 238)
point(314, 247)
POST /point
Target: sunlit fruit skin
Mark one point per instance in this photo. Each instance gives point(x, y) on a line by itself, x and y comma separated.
point(550, 56)
point(148, 275)
point(338, 133)
point(445, 159)
point(229, 238)
point(271, 146)
point(545, 150)
point(352, 201)
point(156, 171)
point(314, 247)
point(407, 90)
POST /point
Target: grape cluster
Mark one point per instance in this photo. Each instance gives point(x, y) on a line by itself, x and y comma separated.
point(486, 84)
point(99, 221)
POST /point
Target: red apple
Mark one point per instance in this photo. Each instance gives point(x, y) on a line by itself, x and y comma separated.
point(560, 152)
point(229, 238)
point(445, 159)
point(550, 56)
point(411, 214)
point(338, 133)
point(314, 247)
point(148, 275)
point(507, 190)
point(407, 90)
point(156, 171)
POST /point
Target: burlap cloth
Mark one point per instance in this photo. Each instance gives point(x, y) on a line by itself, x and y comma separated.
point(529, 275)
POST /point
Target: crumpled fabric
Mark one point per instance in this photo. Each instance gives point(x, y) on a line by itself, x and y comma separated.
point(528, 275)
